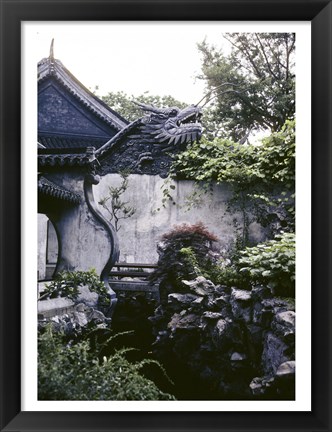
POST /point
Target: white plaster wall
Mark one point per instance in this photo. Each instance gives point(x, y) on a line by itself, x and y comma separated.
point(85, 244)
point(140, 234)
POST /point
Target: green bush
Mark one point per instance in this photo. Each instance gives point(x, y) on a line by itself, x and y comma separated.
point(271, 264)
point(184, 253)
point(228, 276)
point(72, 371)
point(68, 283)
point(262, 177)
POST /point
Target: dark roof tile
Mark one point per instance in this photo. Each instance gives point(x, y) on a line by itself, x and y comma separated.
point(46, 187)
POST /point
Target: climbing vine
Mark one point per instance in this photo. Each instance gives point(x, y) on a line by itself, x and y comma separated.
point(262, 177)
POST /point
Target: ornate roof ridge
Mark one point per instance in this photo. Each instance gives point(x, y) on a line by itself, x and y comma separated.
point(109, 145)
point(53, 67)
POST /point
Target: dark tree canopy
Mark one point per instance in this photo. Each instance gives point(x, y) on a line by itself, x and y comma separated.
point(261, 90)
point(125, 106)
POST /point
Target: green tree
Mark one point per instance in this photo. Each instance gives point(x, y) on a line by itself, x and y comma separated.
point(254, 84)
point(124, 104)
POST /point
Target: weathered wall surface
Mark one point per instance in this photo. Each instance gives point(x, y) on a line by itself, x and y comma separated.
point(83, 241)
point(139, 235)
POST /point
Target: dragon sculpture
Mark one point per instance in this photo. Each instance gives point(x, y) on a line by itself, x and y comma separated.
point(148, 145)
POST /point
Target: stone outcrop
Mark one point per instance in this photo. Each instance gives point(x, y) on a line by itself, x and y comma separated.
point(77, 318)
point(68, 315)
point(235, 343)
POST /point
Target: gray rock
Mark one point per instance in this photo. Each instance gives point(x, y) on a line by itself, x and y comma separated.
point(241, 304)
point(260, 385)
point(238, 357)
point(212, 315)
point(80, 319)
point(276, 305)
point(188, 321)
point(284, 324)
point(221, 335)
point(200, 286)
point(178, 301)
point(274, 353)
point(87, 297)
point(52, 307)
point(199, 301)
point(240, 295)
point(261, 292)
point(286, 319)
point(286, 370)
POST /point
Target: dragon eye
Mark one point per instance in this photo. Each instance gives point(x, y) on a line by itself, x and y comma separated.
point(173, 112)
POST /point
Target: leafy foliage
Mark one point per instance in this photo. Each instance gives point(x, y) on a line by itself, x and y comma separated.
point(262, 177)
point(271, 263)
point(68, 283)
point(73, 371)
point(125, 106)
point(261, 90)
point(118, 209)
point(223, 160)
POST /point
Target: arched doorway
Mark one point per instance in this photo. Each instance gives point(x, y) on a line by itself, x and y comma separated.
point(48, 248)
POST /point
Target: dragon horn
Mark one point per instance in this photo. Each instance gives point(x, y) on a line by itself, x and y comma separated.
point(146, 107)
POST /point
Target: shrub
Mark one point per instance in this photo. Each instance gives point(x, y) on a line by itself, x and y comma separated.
point(113, 204)
point(271, 263)
point(72, 371)
point(228, 276)
point(262, 177)
point(184, 253)
point(67, 284)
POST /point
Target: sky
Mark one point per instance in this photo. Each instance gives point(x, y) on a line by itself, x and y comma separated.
point(156, 57)
point(134, 57)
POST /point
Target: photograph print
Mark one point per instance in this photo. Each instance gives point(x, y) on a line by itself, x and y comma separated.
point(166, 212)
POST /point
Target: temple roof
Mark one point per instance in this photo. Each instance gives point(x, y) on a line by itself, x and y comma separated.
point(51, 68)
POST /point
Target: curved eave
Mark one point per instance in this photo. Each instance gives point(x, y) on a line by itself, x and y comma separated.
point(49, 189)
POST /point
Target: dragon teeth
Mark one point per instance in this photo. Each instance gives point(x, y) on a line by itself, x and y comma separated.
point(177, 139)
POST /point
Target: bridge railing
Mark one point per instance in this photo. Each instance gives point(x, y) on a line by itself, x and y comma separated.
point(137, 273)
point(132, 270)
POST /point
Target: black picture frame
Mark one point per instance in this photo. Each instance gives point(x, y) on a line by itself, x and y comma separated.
point(319, 12)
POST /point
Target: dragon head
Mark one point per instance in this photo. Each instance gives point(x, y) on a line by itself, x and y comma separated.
point(172, 126)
